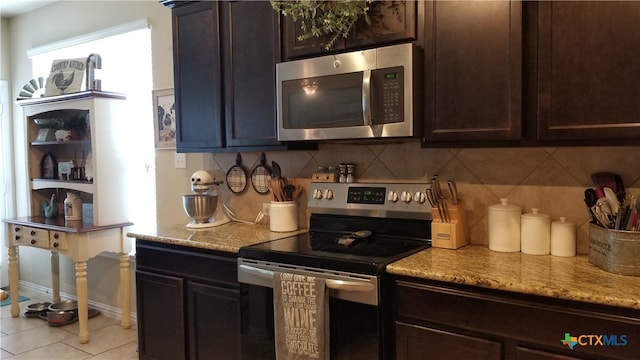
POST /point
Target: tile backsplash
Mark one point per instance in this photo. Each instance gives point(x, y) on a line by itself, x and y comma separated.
point(550, 179)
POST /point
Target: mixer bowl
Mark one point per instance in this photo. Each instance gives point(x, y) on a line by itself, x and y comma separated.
point(200, 207)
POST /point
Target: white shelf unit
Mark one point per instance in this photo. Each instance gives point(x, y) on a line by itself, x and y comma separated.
point(106, 116)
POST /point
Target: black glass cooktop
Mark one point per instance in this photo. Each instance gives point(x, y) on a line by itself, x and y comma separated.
point(341, 252)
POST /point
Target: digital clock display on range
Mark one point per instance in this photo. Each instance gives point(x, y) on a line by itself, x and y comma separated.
point(366, 195)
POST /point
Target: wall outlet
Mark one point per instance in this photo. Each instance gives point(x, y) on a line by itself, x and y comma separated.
point(180, 161)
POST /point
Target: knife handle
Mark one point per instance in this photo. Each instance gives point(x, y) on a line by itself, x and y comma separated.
point(453, 189)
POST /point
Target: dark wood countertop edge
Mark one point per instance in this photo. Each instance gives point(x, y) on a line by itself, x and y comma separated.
point(40, 223)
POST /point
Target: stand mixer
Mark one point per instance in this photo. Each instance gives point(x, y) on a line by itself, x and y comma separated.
point(203, 206)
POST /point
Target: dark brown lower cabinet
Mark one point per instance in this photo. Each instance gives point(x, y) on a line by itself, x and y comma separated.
point(188, 303)
point(435, 320)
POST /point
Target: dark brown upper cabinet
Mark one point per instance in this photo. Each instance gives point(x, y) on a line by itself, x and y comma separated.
point(197, 77)
point(588, 70)
point(391, 22)
point(473, 72)
point(251, 48)
point(224, 75)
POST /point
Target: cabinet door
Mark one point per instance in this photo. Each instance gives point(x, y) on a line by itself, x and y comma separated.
point(416, 342)
point(214, 322)
point(391, 22)
point(294, 48)
point(160, 316)
point(473, 71)
point(197, 77)
point(588, 70)
point(251, 48)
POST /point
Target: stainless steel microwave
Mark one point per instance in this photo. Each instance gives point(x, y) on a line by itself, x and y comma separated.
point(365, 94)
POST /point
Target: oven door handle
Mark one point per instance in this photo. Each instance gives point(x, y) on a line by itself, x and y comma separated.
point(330, 283)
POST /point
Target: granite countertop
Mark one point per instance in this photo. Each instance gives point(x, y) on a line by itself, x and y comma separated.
point(572, 278)
point(228, 237)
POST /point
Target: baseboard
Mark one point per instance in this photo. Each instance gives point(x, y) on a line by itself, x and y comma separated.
point(46, 293)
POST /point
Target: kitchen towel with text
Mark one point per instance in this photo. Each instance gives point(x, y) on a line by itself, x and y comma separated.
point(301, 311)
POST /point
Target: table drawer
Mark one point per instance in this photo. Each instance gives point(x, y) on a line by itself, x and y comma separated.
point(58, 240)
point(24, 235)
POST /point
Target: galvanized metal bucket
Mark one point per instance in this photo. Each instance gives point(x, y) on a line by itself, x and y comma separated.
point(615, 251)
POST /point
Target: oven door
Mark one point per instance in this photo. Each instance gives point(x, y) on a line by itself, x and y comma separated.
point(355, 323)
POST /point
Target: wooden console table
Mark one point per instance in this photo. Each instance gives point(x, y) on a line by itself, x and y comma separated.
point(81, 242)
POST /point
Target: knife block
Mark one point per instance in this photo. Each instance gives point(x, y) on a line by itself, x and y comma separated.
point(451, 234)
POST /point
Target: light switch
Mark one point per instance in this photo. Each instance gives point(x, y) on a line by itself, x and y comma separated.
point(180, 161)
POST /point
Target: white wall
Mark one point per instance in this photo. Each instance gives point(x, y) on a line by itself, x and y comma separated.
point(81, 17)
point(5, 75)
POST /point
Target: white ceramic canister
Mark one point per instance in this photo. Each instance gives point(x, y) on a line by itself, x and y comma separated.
point(504, 227)
point(535, 233)
point(563, 238)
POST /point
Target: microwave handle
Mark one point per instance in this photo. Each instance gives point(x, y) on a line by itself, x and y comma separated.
point(366, 97)
point(330, 283)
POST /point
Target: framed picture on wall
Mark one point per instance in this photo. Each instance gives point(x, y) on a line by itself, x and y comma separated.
point(164, 119)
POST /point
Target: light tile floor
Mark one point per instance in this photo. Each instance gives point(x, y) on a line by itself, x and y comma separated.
point(32, 338)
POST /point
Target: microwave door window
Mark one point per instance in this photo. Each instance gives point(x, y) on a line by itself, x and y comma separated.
point(323, 102)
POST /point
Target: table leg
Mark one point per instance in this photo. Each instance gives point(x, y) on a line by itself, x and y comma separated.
point(55, 276)
point(83, 307)
point(13, 281)
point(125, 291)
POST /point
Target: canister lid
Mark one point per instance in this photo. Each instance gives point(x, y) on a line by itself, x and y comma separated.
point(563, 222)
point(534, 215)
point(505, 206)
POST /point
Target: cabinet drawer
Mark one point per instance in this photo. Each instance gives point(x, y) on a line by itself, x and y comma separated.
point(58, 240)
point(195, 264)
point(415, 342)
point(24, 235)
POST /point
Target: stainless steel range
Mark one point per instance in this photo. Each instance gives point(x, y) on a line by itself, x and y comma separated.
point(355, 230)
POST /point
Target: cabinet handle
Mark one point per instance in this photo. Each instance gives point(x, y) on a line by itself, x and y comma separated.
point(55, 245)
point(17, 237)
point(33, 241)
point(33, 232)
point(18, 228)
point(55, 236)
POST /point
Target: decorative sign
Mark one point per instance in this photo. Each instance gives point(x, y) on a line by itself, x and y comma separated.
point(66, 76)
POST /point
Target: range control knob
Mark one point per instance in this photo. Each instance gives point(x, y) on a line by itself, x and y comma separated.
point(328, 194)
point(392, 196)
point(317, 194)
point(406, 197)
point(419, 197)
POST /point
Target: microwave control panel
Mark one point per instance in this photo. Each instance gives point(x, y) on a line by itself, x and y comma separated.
point(388, 90)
